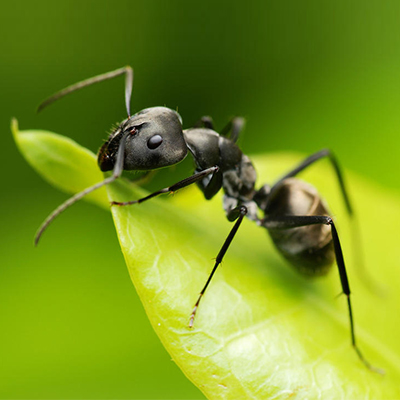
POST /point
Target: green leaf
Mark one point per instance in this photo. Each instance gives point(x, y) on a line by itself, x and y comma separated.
point(61, 161)
point(261, 331)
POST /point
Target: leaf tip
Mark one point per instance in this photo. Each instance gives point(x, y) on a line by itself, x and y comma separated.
point(14, 127)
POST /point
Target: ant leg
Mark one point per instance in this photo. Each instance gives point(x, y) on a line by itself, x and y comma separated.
point(238, 213)
point(231, 130)
point(119, 164)
point(206, 122)
point(294, 221)
point(356, 232)
point(99, 78)
point(310, 160)
point(234, 127)
point(179, 185)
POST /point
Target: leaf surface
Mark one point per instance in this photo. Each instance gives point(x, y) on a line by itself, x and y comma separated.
point(61, 162)
point(261, 331)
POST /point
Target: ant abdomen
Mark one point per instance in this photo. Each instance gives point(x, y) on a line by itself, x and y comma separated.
point(308, 248)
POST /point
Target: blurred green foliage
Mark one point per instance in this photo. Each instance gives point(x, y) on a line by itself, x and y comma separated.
point(306, 75)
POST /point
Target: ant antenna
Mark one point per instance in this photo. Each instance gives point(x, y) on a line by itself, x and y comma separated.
point(117, 171)
point(119, 165)
point(99, 78)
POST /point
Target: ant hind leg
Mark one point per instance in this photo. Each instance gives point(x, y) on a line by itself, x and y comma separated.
point(294, 221)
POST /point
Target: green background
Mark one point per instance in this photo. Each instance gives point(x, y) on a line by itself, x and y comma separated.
point(306, 75)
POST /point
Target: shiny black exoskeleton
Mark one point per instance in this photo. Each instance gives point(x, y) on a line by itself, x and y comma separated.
point(291, 210)
point(157, 141)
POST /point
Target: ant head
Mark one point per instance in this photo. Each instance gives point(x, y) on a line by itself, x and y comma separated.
point(155, 140)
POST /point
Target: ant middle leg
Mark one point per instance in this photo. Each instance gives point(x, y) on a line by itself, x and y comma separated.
point(295, 221)
point(238, 213)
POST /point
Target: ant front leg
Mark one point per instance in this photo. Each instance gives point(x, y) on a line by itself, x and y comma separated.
point(179, 185)
point(238, 213)
point(295, 221)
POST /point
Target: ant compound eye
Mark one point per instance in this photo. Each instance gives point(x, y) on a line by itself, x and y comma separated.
point(154, 142)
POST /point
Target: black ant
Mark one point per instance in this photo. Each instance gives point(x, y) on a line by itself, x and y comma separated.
point(293, 212)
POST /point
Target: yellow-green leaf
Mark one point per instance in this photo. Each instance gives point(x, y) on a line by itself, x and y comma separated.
point(61, 161)
point(261, 330)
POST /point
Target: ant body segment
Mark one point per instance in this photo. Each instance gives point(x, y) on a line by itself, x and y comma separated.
point(293, 212)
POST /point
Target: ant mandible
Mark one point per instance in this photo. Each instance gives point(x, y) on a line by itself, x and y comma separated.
point(293, 211)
